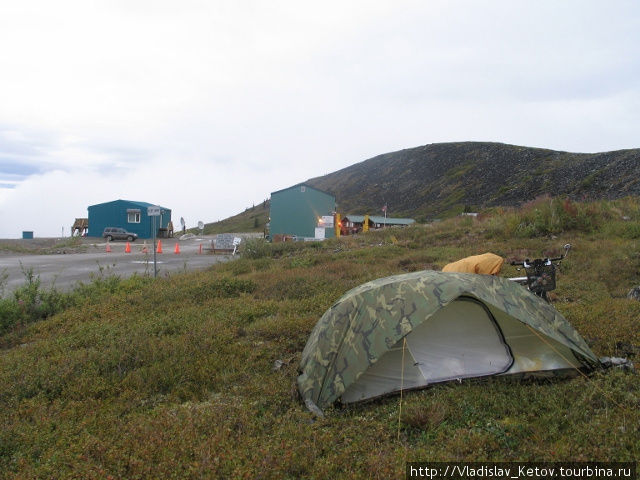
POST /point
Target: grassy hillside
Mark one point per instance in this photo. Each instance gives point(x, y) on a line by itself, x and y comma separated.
point(440, 180)
point(253, 219)
point(444, 179)
point(174, 378)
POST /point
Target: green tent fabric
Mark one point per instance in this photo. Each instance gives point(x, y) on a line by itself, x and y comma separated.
point(456, 325)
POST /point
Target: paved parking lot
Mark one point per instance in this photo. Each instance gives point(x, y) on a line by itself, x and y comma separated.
point(64, 270)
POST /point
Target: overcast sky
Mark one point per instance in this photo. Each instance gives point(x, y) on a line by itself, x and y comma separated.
point(206, 107)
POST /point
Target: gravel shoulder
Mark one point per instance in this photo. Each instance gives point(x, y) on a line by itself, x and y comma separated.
point(47, 245)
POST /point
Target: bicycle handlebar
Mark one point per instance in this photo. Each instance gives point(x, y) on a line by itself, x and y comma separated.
point(526, 263)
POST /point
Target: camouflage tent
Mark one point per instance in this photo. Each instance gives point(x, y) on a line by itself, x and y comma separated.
point(409, 331)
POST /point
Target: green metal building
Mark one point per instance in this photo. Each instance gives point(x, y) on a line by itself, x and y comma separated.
point(132, 216)
point(297, 211)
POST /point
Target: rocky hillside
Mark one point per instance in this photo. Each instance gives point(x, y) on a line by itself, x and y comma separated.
point(443, 179)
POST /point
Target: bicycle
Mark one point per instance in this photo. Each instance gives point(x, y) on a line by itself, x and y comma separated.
point(541, 278)
point(541, 273)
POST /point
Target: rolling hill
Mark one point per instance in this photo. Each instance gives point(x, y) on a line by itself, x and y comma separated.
point(445, 179)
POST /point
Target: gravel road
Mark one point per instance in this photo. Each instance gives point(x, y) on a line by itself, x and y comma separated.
point(69, 265)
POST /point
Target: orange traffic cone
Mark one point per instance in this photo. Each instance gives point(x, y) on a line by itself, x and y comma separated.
point(108, 249)
point(144, 247)
point(127, 248)
point(159, 249)
point(177, 249)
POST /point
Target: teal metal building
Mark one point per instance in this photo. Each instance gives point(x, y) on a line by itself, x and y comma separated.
point(132, 216)
point(296, 211)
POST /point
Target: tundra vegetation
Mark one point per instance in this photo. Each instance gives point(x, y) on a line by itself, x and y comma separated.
point(174, 378)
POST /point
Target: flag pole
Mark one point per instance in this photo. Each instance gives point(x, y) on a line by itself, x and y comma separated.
point(384, 209)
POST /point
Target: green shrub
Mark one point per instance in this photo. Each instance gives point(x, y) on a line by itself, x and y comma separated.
point(624, 229)
point(238, 266)
point(219, 288)
point(547, 216)
point(31, 303)
point(303, 262)
point(10, 314)
point(255, 248)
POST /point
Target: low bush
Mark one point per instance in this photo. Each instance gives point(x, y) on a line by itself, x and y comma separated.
point(546, 216)
point(194, 375)
point(31, 303)
point(255, 248)
point(225, 287)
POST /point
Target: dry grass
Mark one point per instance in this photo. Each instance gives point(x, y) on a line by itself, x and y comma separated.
point(174, 378)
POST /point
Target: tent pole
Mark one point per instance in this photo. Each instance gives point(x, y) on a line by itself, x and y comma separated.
point(404, 344)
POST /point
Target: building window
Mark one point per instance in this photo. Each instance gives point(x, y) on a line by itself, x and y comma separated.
point(303, 189)
point(133, 216)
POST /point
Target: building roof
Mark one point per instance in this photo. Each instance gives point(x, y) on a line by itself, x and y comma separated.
point(132, 202)
point(304, 185)
point(380, 219)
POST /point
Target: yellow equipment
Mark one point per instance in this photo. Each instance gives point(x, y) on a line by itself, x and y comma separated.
point(487, 263)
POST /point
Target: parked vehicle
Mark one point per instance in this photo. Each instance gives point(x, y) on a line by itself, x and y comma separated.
point(117, 233)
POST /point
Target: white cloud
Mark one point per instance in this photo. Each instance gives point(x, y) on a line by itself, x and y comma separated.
point(206, 107)
point(193, 189)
